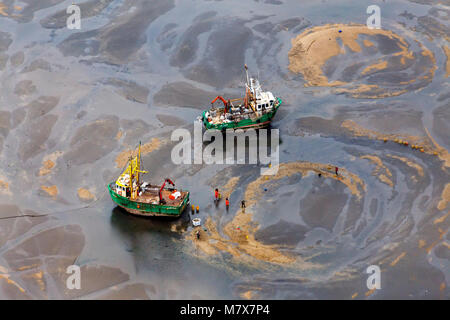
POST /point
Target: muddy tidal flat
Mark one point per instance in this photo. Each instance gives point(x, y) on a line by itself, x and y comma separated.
point(74, 103)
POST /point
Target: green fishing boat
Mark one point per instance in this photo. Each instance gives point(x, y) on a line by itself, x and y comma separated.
point(255, 110)
point(143, 198)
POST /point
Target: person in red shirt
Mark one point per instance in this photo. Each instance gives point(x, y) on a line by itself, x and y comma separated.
point(337, 169)
point(216, 196)
point(227, 203)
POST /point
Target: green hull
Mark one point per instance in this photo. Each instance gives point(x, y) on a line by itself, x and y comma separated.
point(148, 209)
point(260, 122)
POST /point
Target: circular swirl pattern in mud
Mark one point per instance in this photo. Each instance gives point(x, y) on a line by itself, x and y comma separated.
point(361, 62)
point(76, 103)
point(320, 232)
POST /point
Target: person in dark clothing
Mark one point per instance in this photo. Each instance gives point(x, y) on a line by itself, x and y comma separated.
point(337, 169)
point(243, 204)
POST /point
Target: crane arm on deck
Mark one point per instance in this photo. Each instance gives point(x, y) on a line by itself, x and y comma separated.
point(167, 180)
point(225, 103)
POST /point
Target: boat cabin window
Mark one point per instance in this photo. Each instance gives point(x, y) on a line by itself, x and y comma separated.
point(258, 107)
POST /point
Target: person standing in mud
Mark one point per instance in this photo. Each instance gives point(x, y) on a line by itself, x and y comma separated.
point(216, 195)
point(336, 170)
point(243, 205)
point(227, 203)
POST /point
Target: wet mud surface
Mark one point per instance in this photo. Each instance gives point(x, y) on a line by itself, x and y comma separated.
point(375, 103)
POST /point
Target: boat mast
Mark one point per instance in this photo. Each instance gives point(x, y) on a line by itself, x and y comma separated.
point(246, 87)
point(246, 72)
point(139, 163)
point(248, 91)
point(131, 177)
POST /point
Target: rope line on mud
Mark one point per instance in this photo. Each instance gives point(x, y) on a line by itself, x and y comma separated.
point(55, 212)
point(89, 205)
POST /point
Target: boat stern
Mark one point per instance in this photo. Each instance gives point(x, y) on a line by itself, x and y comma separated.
point(205, 122)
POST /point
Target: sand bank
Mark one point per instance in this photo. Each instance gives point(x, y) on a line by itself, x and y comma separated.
point(85, 194)
point(4, 186)
point(122, 158)
point(48, 163)
point(409, 163)
point(442, 153)
point(9, 281)
point(425, 144)
point(445, 197)
point(240, 231)
point(312, 52)
point(447, 64)
point(381, 171)
point(315, 46)
point(229, 187)
point(50, 190)
point(377, 66)
point(3, 9)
